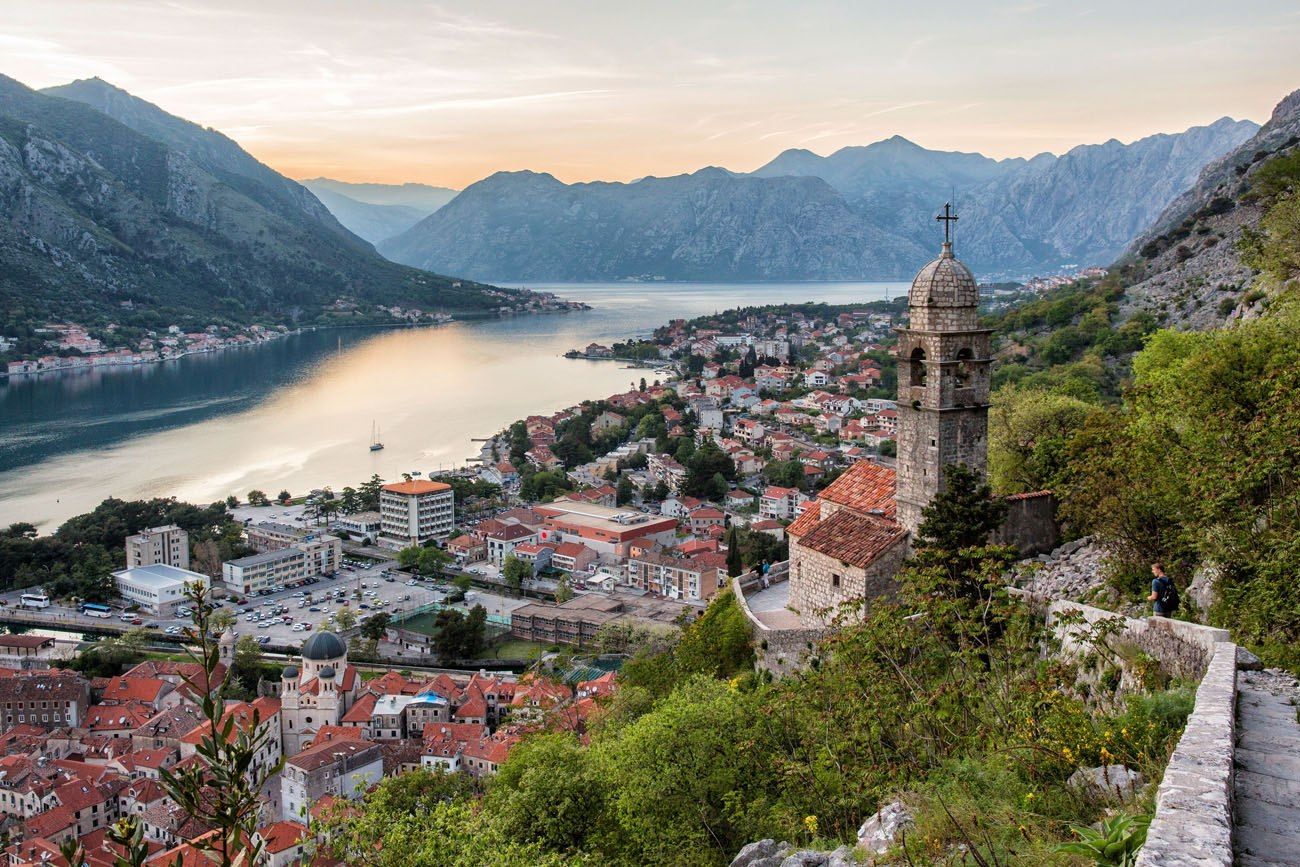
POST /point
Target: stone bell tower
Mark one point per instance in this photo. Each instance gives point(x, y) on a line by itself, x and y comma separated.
point(943, 381)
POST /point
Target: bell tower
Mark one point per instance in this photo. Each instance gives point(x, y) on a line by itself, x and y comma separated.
point(943, 380)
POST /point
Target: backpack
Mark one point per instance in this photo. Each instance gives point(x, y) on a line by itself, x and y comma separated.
point(1168, 598)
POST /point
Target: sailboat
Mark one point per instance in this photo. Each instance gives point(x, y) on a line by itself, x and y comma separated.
point(375, 444)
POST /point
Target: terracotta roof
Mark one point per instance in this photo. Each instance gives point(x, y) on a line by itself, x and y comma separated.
point(417, 486)
point(361, 710)
point(26, 641)
point(864, 487)
point(853, 539)
point(146, 689)
point(1028, 496)
point(282, 836)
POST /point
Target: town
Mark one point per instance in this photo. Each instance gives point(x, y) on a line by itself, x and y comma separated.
point(591, 529)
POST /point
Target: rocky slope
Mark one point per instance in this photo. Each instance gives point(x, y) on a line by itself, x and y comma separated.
point(108, 202)
point(1190, 266)
point(860, 213)
point(709, 225)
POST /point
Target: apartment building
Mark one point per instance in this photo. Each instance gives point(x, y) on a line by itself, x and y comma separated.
point(48, 701)
point(339, 768)
point(158, 589)
point(169, 545)
point(270, 570)
point(412, 513)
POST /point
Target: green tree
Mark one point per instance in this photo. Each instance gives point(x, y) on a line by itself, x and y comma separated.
point(345, 618)
point(408, 558)
point(284, 497)
point(1030, 431)
point(368, 494)
point(515, 573)
point(625, 491)
point(373, 626)
point(257, 498)
point(734, 563)
point(433, 560)
point(963, 515)
point(232, 502)
point(551, 792)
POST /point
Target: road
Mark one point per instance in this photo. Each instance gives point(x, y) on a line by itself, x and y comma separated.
point(365, 588)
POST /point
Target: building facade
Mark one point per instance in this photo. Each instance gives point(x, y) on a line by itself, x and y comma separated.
point(169, 545)
point(158, 589)
point(412, 513)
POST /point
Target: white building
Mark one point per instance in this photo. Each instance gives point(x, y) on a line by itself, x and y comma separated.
point(168, 545)
point(412, 513)
point(158, 589)
point(367, 525)
point(270, 570)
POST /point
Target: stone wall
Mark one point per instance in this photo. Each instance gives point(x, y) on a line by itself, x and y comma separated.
point(1030, 524)
point(1193, 819)
point(777, 651)
point(819, 584)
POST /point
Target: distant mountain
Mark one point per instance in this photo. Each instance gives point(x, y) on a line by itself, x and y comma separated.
point(1190, 266)
point(1018, 216)
point(107, 201)
point(375, 223)
point(422, 197)
point(712, 224)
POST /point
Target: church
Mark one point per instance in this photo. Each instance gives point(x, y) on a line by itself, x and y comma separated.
point(849, 543)
point(316, 694)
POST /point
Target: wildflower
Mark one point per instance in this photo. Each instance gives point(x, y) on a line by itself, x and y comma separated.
point(810, 825)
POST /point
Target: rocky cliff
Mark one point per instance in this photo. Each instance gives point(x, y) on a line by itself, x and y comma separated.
point(106, 201)
point(1190, 268)
point(860, 213)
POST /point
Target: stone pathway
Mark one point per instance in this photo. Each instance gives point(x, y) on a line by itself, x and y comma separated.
point(1267, 795)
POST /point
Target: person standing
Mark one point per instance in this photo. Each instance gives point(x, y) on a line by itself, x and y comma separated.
point(1164, 595)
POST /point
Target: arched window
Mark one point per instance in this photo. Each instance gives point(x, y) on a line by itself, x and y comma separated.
point(917, 372)
point(964, 358)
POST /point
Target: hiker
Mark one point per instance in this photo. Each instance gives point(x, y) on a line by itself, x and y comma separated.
point(1164, 595)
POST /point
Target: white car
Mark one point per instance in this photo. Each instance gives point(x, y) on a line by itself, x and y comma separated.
point(297, 627)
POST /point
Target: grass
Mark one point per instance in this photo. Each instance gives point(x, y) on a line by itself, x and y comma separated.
point(517, 648)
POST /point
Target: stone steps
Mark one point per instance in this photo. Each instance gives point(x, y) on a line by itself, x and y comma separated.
point(1267, 776)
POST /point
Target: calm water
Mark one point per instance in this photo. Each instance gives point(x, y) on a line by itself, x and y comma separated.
point(297, 413)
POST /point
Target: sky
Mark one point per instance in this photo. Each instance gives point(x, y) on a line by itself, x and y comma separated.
point(447, 93)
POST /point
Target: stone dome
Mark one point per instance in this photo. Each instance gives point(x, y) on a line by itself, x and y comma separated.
point(324, 645)
point(327, 673)
point(290, 673)
point(945, 282)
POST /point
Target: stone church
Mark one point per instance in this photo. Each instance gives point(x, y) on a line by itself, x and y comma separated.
point(316, 693)
point(849, 543)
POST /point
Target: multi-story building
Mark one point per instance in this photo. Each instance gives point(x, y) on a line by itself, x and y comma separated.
point(779, 503)
point(158, 589)
point(169, 545)
point(366, 525)
point(607, 531)
point(48, 701)
point(269, 571)
point(342, 768)
point(690, 579)
point(412, 513)
point(278, 566)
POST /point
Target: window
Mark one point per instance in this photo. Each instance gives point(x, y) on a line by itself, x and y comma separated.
point(917, 367)
point(835, 579)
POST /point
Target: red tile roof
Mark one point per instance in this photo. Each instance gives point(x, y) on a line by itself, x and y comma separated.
point(856, 540)
point(417, 486)
point(865, 488)
point(282, 836)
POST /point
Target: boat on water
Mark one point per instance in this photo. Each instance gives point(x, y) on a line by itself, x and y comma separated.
point(375, 443)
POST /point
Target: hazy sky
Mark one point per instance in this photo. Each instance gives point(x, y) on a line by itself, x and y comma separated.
point(446, 93)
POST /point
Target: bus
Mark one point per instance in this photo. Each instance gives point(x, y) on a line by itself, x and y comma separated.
point(94, 609)
point(35, 600)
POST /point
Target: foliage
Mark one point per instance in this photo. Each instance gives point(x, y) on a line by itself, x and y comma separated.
point(708, 470)
point(1030, 431)
point(1274, 246)
point(372, 628)
point(1115, 844)
point(1202, 467)
point(544, 486)
point(515, 573)
point(459, 635)
point(551, 792)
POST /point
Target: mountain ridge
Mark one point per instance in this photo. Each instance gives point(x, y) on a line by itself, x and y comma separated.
point(101, 213)
point(1021, 215)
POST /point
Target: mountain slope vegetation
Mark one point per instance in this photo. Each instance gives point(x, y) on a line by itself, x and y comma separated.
point(110, 207)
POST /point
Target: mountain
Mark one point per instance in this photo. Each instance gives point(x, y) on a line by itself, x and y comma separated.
point(375, 223)
point(109, 202)
point(1018, 216)
point(709, 225)
point(1190, 263)
point(377, 212)
point(422, 197)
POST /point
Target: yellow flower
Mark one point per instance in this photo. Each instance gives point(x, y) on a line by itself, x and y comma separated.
point(810, 824)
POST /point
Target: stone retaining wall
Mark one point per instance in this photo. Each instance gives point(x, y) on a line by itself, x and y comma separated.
point(1193, 818)
point(778, 651)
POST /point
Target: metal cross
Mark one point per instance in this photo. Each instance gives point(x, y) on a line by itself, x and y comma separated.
point(947, 218)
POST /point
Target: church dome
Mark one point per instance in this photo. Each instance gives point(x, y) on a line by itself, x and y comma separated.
point(324, 645)
point(327, 673)
point(945, 282)
point(290, 673)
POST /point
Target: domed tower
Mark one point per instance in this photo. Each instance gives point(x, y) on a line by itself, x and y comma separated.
point(943, 381)
point(226, 646)
point(324, 650)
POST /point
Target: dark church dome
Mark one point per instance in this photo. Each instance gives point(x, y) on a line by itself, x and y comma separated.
point(322, 646)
